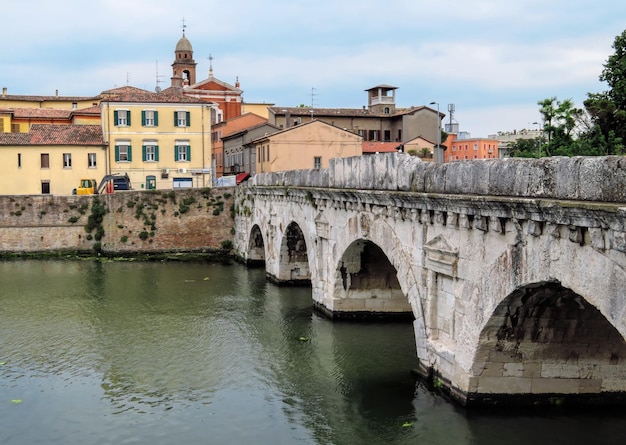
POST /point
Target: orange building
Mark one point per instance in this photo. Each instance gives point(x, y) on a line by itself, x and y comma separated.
point(226, 128)
point(473, 148)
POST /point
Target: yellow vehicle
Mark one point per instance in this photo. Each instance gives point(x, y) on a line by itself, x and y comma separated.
point(111, 182)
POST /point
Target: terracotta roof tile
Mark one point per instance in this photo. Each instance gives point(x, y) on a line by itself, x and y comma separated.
point(380, 147)
point(42, 134)
point(37, 113)
point(339, 112)
point(132, 94)
point(18, 97)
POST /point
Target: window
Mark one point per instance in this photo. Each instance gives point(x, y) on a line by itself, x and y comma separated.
point(317, 162)
point(15, 128)
point(387, 135)
point(74, 105)
point(45, 160)
point(181, 118)
point(91, 160)
point(182, 152)
point(1, 125)
point(19, 160)
point(149, 118)
point(475, 147)
point(67, 160)
point(45, 187)
point(386, 110)
point(123, 152)
point(121, 118)
point(150, 152)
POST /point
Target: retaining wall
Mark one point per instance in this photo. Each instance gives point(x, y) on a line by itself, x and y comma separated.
point(186, 220)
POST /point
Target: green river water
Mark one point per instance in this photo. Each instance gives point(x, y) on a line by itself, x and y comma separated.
point(98, 352)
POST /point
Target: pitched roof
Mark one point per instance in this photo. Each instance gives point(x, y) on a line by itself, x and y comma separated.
point(25, 98)
point(299, 126)
point(213, 84)
point(380, 147)
point(132, 94)
point(37, 113)
point(342, 112)
point(46, 134)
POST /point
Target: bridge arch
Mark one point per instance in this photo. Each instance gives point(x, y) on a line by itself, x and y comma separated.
point(366, 282)
point(361, 235)
point(293, 258)
point(256, 247)
point(552, 327)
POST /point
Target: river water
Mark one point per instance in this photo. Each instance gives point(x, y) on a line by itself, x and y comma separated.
point(98, 352)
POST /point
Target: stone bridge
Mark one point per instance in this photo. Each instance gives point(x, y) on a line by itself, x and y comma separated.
point(512, 270)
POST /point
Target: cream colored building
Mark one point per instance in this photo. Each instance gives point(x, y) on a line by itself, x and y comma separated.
point(308, 145)
point(50, 159)
point(161, 140)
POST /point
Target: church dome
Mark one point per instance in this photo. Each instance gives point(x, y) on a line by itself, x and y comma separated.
point(184, 44)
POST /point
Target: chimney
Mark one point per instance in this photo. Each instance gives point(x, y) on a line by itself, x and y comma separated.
point(237, 82)
point(4, 91)
point(56, 92)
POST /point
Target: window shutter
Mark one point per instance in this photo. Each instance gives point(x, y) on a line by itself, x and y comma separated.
point(156, 118)
point(143, 152)
point(156, 150)
point(175, 152)
point(130, 151)
point(128, 118)
point(115, 121)
point(175, 119)
point(188, 119)
point(117, 152)
point(188, 152)
point(143, 119)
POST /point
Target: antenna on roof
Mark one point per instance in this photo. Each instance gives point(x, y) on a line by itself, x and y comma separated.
point(127, 79)
point(453, 126)
point(313, 94)
point(184, 26)
point(158, 78)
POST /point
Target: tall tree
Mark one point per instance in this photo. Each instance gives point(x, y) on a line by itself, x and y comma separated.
point(608, 109)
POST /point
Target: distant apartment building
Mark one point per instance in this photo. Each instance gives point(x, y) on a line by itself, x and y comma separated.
point(380, 121)
point(224, 129)
point(309, 145)
point(470, 148)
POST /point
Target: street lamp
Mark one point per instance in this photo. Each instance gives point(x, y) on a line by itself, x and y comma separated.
point(438, 154)
point(539, 129)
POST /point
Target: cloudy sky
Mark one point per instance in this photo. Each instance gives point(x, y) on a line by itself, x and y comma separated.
point(493, 59)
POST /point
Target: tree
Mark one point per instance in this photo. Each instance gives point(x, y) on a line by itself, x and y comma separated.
point(608, 109)
point(560, 118)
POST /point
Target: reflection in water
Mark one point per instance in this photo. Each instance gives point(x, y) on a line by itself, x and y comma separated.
point(125, 352)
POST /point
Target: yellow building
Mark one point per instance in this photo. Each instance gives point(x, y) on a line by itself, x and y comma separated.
point(55, 102)
point(50, 158)
point(161, 140)
point(308, 145)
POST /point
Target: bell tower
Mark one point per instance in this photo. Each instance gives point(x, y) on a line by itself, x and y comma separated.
point(184, 67)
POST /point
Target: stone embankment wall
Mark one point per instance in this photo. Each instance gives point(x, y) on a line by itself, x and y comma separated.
point(599, 179)
point(185, 220)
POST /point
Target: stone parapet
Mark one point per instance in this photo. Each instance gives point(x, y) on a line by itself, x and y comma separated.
point(599, 179)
